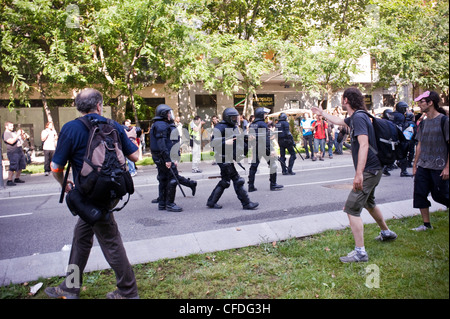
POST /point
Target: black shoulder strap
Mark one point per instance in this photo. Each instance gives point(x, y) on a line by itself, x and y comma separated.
point(88, 123)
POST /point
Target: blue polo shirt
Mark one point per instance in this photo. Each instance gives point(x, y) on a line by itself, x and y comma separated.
point(72, 143)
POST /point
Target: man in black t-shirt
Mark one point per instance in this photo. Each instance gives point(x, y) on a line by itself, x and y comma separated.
point(368, 171)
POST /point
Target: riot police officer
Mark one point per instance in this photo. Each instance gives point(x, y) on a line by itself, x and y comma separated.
point(161, 147)
point(262, 148)
point(229, 146)
point(285, 141)
point(175, 151)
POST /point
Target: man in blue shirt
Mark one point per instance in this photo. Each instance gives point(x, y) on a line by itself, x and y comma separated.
point(368, 172)
point(72, 144)
point(307, 132)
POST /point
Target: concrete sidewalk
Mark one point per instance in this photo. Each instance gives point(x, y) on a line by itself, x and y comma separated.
point(28, 268)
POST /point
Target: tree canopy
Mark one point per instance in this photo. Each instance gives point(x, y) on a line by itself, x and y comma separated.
point(229, 45)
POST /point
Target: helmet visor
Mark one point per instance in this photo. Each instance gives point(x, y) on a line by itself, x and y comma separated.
point(234, 119)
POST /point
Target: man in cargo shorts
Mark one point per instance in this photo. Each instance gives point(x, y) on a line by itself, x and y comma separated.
point(367, 176)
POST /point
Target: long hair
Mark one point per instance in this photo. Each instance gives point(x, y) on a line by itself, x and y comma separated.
point(355, 99)
point(434, 97)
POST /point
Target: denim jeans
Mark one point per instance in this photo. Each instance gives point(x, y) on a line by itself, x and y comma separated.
point(319, 143)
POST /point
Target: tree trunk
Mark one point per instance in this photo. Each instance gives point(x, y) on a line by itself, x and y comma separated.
point(329, 97)
point(43, 97)
point(133, 105)
point(120, 109)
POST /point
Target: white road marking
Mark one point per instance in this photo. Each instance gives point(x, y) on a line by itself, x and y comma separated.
point(15, 215)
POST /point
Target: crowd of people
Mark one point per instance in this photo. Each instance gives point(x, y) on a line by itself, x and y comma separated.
point(232, 138)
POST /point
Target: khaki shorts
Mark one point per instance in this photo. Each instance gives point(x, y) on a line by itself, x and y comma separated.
point(365, 198)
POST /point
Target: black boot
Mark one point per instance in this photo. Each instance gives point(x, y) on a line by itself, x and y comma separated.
point(251, 180)
point(193, 186)
point(291, 165)
point(250, 206)
point(172, 207)
point(188, 183)
point(170, 197)
point(216, 194)
point(238, 184)
point(284, 170)
point(273, 182)
point(405, 173)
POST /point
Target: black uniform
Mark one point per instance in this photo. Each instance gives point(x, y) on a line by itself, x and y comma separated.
point(225, 156)
point(261, 148)
point(285, 141)
point(161, 148)
point(399, 119)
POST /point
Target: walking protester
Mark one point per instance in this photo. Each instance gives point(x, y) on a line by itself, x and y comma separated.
point(431, 163)
point(307, 132)
point(330, 139)
point(340, 133)
point(161, 148)
point(285, 141)
point(183, 142)
point(49, 138)
point(320, 136)
point(243, 124)
point(260, 136)
point(133, 136)
point(73, 141)
point(14, 152)
point(224, 140)
point(195, 132)
point(368, 172)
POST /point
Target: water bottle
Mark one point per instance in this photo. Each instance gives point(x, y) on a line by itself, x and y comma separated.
point(408, 133)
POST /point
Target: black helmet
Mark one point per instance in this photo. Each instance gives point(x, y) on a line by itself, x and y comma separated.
point(409, 116)
point(230, 116)
point(161, 112)
point(387, 114)
point(401, 107)
point(282, 117)
point(260, 111)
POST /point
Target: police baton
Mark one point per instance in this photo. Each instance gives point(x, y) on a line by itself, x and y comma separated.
point(295, 148)
point(282, 163)
point(176, 178)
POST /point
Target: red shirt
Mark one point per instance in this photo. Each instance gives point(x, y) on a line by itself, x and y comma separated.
point(319, 130)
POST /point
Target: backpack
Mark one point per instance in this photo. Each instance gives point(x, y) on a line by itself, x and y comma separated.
point(391, 143)
point(104, 178)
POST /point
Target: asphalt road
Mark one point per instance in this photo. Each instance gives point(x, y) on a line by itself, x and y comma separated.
point(33, 222)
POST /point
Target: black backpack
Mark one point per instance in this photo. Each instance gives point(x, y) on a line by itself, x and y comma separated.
point(104, 178)
point(391, 143)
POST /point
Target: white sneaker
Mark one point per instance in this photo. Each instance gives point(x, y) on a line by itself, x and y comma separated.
point(421, 228)
point(355, 257)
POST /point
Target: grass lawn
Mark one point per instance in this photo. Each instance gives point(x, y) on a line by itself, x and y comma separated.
point(415, 266)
